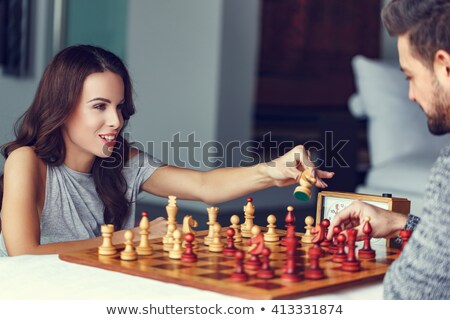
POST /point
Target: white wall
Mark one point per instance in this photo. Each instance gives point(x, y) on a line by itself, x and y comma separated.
point(388, 44)
point(16, 94)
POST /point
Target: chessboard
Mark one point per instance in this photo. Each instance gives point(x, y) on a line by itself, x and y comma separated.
point(212, 271)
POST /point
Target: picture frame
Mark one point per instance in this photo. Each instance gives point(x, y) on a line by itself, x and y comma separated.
point(329, 203)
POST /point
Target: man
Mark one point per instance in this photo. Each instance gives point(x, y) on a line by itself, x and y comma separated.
point(421, 272)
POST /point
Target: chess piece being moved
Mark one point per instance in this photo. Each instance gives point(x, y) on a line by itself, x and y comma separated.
point(249, 215)
point(216, 245)
point(271, 235)
point(188, 224)
point(107, 248)
point(212, 219)
point(176, 251)
point(306, 181)
point(366, 252)
point(351, 263)
point(128, 254)
point(171, 210)
point(307, 237)
point(144, 248)
point(189, 255)
point(235, 225)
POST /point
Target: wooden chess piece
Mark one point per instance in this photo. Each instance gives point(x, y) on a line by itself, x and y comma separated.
point(235, 225)
point(188, 224)
point(171, 210)
point(314, 271)
point(333, 247)
point(216, 245)
point(256, 243)
point(230, 249)
point(249, 215)
point(189, 255)
point(351, 263)
point(107, 248)
point(239, 274)
point(176, 251)
point(290, 226)
point(307, 237)
point(144, 248)
point(340, 254)
point(266, 272)
point(128, 254)
point(168, 243)
point(212, 219)
point(306, 181)
point(366, 252)
point(325, 242)
point(290, 271)
point(271, 235)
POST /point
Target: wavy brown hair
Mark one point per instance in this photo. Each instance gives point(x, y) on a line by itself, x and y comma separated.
point(57, 94)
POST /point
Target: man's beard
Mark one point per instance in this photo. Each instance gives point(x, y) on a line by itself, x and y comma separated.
point(439, 123)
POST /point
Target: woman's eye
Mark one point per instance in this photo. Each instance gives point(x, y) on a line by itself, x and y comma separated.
point(100, 106)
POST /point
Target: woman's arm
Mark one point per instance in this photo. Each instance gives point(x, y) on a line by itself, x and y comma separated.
point(224, 184)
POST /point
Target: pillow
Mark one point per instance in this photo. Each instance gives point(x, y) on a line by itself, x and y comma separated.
point(397, 127)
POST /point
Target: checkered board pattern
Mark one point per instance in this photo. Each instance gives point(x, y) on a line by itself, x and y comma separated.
point(212, 271)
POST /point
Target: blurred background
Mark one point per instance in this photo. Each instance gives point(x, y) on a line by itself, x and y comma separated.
point(223, 70)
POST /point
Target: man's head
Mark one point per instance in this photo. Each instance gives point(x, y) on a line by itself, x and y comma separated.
point(423, 31)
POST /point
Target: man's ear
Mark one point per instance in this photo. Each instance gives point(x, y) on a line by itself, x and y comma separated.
point(442, 62)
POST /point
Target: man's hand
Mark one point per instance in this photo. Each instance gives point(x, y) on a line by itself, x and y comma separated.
point(385, 224)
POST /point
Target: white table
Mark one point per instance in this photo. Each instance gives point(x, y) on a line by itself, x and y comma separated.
point(47, 277)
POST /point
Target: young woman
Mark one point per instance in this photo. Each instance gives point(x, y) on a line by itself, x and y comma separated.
point(70, 170)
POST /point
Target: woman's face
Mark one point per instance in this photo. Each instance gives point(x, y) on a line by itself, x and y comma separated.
point(92, 128)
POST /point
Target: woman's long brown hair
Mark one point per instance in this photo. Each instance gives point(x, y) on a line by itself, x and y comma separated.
point(56, 96)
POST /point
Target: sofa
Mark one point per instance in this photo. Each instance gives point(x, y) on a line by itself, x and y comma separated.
point(401, 149)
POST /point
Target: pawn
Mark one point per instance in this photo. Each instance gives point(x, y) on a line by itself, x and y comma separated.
point(239, 274)
point(366, 252)
point(128, 254)
point(235, 225)
point(266, 272)
point(230, 249)
point(271, 235)
point(189, 255)
point(340, 255)
point(176, 251)
point(107, 248)
point(144, 248)
point(168, 243)
point(314, 272)
point(307, 237)
point(333, 247)
point(325, 224)
point(216, 245)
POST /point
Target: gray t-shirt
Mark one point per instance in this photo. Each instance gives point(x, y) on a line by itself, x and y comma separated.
point(74, 211)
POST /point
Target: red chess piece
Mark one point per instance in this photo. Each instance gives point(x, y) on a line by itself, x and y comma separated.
point(340, 255)
point(366, 252)
point(239, 274)
point(290, 226)
point(189, 255)
point(230, 249)
point(325, 224)
point(333, 247)
point(314, 272)
point(266, 272)
point(405, 235)
point(351, 263)
point(290, 271)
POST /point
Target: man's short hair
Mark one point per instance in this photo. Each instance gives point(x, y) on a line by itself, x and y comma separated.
point(426, 22)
